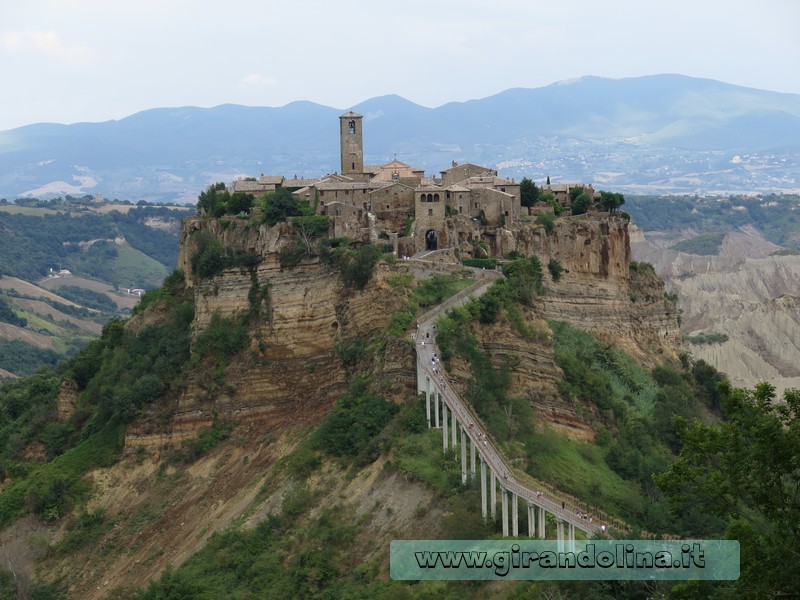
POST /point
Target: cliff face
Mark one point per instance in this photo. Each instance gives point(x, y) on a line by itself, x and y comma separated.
point(597, 290)
point(292, 374)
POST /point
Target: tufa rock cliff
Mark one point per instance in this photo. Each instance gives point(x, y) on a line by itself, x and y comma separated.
point(293, 374)
point(597, 290)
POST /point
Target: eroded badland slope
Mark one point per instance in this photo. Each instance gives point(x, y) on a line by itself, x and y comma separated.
point(747, 292)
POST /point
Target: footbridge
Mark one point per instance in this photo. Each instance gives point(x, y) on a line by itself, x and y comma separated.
point(463, 431)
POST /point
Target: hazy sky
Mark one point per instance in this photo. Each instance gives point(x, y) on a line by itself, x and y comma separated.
point(92, 60)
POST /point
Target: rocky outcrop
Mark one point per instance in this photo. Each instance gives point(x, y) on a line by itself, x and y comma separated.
point(292, 374)
point(597, 291)
point(67, 399)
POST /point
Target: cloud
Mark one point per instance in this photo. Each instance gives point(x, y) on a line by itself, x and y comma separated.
point(46, 43)
point(256, 80)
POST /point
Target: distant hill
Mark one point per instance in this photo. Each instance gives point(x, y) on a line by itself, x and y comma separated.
point(104, 251)
point(39, 327)
point(659, 134)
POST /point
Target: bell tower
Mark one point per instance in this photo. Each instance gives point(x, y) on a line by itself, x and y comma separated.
point(352, 143)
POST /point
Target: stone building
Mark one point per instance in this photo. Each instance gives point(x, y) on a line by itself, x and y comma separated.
point(397, 201)
point(392, 196)
point(560, 191)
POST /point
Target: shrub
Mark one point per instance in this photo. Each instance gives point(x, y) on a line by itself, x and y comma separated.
point(350, 350)
point(548, 220)
point(480, 263)
point(524, 279)
point(354, 423)
point(208, 258)
point(555, 268)
point(292, 254)
point(222, 338)
point(358, 266)
point(191, 450)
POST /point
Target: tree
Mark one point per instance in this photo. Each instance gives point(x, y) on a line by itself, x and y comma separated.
point(581, 203)
point(213, 201)
point(747, 469)
point(574, 192)
point(280, 205)
point(548, 220)
point(528, 192)
point(310, 228)
point(611, 201)
point(239, 202)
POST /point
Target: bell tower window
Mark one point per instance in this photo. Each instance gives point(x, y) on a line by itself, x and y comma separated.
point(351, 126)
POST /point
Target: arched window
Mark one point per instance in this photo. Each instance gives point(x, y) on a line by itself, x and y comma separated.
point(436, 197)
point(430, 197)
point(351, 126)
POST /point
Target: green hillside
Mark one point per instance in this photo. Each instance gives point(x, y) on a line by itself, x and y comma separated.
point(104, 246)
point(304, 536)
point(776, 216)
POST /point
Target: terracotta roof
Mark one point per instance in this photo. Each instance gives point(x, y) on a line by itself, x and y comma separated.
point(299, 182)
point(247, 185)
point(493, 179)
point(462, 165)
point(355, 185)
point(564, 187)
point(351, 114)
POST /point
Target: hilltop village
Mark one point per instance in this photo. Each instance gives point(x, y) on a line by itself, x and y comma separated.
point(396, 202)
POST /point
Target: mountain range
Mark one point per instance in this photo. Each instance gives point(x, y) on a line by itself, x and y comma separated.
point(653, 134)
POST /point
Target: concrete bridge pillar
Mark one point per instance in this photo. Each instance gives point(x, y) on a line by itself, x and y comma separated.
point(514, 515)
point(484, 511)
point(444, 426)
point(541, 523)
point(464, 456)
point(428, 399)
point(493, 498)
point(560, 533)
point(531, 519)
point(454, 429)
point(570, 537)
point(436, 407)
point(504, 514)
point(472, 457)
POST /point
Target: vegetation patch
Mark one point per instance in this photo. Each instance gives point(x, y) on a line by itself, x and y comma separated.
point(711, 337)
point(351, 429)
point(706, 244)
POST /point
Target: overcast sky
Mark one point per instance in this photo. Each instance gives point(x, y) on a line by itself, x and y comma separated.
point(65, 61)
